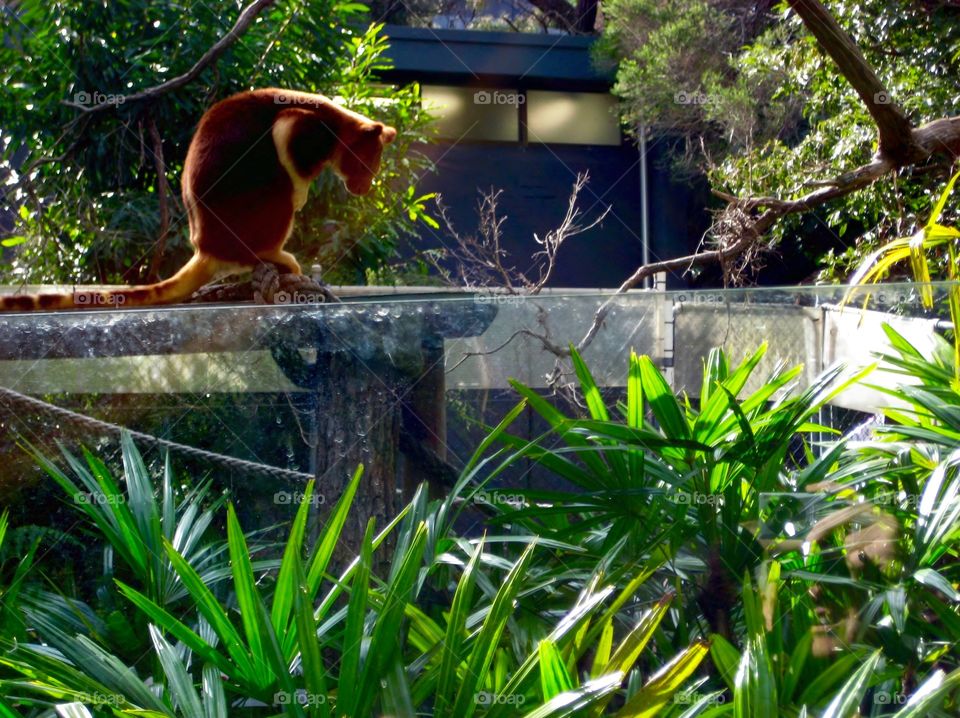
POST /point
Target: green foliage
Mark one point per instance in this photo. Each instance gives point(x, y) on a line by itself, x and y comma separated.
point(302, 642)
point(135, 524)
point(84, 187)
point(885, 586)
point(667, 478)
point(11, 619)
point(777, 115)
point(682, 71)
point(921, 250)
point(840, 135)
point(604, 598)
point(692, 492)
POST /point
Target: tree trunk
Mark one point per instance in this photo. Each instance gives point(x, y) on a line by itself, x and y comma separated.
point(358, 422)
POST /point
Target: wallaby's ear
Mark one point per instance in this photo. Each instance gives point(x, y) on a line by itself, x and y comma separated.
point(386, 133)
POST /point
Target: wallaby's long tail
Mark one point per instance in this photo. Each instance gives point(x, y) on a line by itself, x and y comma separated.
point(193, 275)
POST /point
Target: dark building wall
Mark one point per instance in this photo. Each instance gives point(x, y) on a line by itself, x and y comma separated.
point(678, 214)
point(476, 58)
point(536, 179)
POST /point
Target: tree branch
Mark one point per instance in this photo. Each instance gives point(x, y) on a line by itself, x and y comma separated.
point(940, 137)
point(937, 137)
point(892, 123)
point(722, 255)
point(247, 16)
point(557, 10)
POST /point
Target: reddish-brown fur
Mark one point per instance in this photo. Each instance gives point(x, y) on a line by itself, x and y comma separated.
point(239, 195)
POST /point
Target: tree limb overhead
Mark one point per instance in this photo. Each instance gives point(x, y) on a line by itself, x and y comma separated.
point(741, 226)
point(891, 121)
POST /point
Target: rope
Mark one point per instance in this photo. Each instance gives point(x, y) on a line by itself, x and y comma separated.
point(267, 286)
point(15, 397)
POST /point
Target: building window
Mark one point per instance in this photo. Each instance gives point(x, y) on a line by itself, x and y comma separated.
point(464, 113)
point(570, 118)
point(579, 118)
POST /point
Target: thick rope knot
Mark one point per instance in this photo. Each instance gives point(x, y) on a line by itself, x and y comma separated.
point(265, 281)
point(271, 287)
point(268, 286)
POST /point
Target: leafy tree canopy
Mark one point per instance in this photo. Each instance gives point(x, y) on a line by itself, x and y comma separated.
point(764, 112)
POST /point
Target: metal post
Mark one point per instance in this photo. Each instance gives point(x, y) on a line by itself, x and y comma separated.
point(644, 206)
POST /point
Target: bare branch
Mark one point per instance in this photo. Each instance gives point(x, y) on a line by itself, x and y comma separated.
point(247, 16)
point(568, 228)
point(487, 352)
point(724, 254)
point(163, 197)
point(940, 136)
point(900, 144)
point(479, 258)
point(490, 226)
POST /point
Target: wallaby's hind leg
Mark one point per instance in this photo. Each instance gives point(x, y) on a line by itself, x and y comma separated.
point(283, 259)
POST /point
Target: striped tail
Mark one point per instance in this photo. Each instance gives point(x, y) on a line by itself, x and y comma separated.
point(193, 275)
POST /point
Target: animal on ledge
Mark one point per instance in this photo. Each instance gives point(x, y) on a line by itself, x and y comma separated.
point(247, 172)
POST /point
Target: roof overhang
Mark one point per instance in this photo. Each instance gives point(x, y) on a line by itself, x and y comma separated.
point(507, 59)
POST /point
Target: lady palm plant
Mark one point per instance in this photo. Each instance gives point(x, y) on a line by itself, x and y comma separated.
point(130, 521)
point(310, 644)
point(626, 476)
point(909, 476)
point(918, 249)
point(668, 480)
point(881, 557)
point(135, 522)
point(12, 622)
point(777, 674)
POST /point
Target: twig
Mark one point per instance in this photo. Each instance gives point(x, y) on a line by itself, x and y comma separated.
point(163, 196)
point(568, 228)
point(479, 258)
point(724, 254)
point(487, 352)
